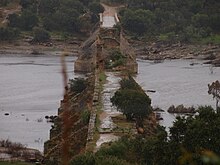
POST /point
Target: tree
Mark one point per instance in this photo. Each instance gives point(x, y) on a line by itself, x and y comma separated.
point(26, 21)
point(27, 3)
point(8, 33)
point(48, 6)
point(4, 2)
point(178, 130)
point(214, 90)
point(194, 140)
point(132, 101)
point(139, 21)
point(40, 35)
point(14, 20)
point(96, 8)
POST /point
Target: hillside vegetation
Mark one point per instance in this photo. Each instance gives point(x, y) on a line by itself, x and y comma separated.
point(63, 16)
point(174, 20)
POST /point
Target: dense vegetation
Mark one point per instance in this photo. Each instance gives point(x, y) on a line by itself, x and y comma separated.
point(192, 140)
point(63, 16)
point(132, 101)
point(174, 20)
point(166, 20)
point(8, 34)
point(4, 2)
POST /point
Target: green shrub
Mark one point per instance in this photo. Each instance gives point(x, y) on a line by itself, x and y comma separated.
point(129, 83)
point(8, 34)
point(86, 159)
point(40, 35)
point(85, 116)
point(77, 85)
point(116, 59)
point(4, 2)
point(96, 159)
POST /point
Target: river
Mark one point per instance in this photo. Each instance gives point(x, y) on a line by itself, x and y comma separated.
point(31, 88)
point(177, 82)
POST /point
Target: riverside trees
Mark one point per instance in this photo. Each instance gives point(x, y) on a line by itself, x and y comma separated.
point(192, 140)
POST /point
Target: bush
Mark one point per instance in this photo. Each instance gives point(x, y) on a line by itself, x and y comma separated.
point(77, 85)
point(41, 35)
point(96, 8)
point(26, 21)
point(96, 159)
point(8, 34)
point(85, 116)
point(116, 59)
point(86, 159)
point(129, 84)
point(4, 2)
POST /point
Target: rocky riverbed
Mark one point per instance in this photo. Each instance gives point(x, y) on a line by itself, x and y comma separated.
point(160, 51)
point(54, 47)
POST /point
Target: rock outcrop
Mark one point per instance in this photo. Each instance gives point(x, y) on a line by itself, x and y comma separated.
point(181, 109)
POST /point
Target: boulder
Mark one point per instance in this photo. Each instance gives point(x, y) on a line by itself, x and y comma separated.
point(181, 109)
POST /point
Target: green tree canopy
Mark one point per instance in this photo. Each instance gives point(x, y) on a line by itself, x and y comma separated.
point(131, 100)
point(96, 7)
point(26, 21)
point(132, 103)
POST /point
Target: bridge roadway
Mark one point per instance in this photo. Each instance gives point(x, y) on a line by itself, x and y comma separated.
point(108, 21)
point(109, 17)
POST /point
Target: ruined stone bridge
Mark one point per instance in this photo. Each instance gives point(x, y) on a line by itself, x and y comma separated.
point(98, 47)
point(94, 54)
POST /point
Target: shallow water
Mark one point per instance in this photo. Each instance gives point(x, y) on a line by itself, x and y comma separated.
point(177, 82)
point(30, 88)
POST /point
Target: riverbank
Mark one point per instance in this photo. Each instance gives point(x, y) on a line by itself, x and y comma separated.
point(54, 47)
point(158, 51)
point(146, 51)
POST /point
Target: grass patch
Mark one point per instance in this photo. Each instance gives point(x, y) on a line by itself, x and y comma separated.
point(102, 78)
point(121, 121)
point(214, 39)
point(123, 125)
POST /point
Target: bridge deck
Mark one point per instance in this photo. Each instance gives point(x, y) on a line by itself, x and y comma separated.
point(108, 21)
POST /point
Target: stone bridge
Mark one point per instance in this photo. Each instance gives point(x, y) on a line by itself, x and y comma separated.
point(93, 55)
point(98, 47)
